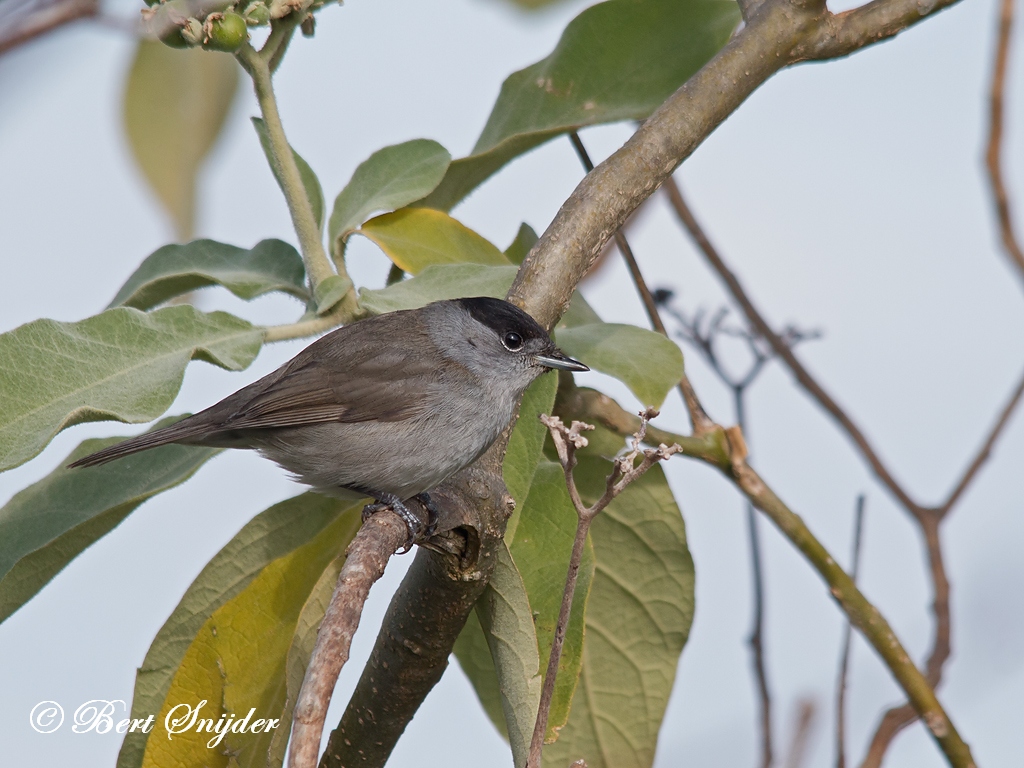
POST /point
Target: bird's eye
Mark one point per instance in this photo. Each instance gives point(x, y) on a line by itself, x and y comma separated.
point(512, 340)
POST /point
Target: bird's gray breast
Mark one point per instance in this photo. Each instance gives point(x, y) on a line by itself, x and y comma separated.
point(459, 419)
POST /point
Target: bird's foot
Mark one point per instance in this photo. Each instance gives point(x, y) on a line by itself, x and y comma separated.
point(433, 514)
point(413, 524)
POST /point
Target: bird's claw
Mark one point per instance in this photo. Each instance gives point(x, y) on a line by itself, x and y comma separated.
point(414, 525)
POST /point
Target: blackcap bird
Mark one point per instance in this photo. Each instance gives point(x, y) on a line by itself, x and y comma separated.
point(388, 407)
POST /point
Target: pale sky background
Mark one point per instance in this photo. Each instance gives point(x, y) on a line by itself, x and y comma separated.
point(848, 195)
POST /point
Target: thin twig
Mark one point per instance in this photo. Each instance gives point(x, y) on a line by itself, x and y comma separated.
point(378, 539)
point(801, 734)
point(844, 657)
point(625, 470)
point(318, 266)
point(703, 332)
point(984, 452)
point(803, 376)
point(700, 421)
point(39, 18)
point(994, 153)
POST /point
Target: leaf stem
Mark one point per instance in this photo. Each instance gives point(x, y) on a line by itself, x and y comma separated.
point(318, 266)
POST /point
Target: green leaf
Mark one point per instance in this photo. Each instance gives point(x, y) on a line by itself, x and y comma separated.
point(617, 60)
point(638, 618)
point(389, 179)
point(271, 265)
point(330, 291)
point(506, 618)
point(449, 281)
point(247, 600)
point(121, 365)
point(579, 313)
point(51, 522)
point(175, 105)
point(417, 238)
point(526, 444)
point(520, 247)
point(474, 657)
point(540, 547)
point(647, 362)
point(314, 192)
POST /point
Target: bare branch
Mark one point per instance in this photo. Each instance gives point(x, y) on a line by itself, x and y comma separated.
point(783, 351)
point(985, 451)
point(378, 539)
point(801, 733)
point(994, 153)
point(567, 441)
point(844, 657)
point(845, 33)
point(861, 613)
point(25, 21)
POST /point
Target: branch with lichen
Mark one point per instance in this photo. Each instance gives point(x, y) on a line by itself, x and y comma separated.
point(625, 470)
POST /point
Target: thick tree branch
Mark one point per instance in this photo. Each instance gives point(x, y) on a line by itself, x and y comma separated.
point(368, 554)
point(426, 614)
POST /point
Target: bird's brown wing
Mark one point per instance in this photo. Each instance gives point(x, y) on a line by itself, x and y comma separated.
point(354, 374)
point(347, 376)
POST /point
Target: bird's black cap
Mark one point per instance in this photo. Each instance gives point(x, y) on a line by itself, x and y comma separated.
point(501, 316)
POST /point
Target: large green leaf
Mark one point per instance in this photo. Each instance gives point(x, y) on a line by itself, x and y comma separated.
point(175, 105)
point(647, 362)
point(417, 238)
point(51, 522)
point(618, 60)
point(121, 365)
point(505, 621)
point(271, 265)
point(311, 184)
point(638, 618)
point(389, 179)
point(249, 596)
point(449, 281)
point(540, 546)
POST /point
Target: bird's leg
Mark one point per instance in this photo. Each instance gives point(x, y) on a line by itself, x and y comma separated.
point(433, 513)
point(389, 501)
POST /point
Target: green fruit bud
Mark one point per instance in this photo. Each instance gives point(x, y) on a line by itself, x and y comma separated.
point(256, 14)
point(192, 32)
point(224, 32)
point(169, 20)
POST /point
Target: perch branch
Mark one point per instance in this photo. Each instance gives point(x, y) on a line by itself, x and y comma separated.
point(378, 539)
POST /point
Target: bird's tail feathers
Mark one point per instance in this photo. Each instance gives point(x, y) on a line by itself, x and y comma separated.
point(183, 431)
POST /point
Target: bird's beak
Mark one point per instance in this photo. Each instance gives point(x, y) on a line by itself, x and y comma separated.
point(558, 359)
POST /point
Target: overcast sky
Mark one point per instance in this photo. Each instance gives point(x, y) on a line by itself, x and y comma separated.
point(850, 198)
